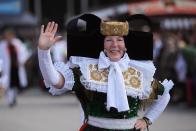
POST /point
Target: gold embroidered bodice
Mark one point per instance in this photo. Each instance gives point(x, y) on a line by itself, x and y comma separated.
point(132, 77)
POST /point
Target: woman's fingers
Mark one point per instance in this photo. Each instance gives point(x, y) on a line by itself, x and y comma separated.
point(42, 29)
point(51, 27)
point(55, 28)
point(140, 124)
point(48, 26)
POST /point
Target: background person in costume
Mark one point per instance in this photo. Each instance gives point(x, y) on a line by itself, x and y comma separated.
point(14, 55)
point(110, 88)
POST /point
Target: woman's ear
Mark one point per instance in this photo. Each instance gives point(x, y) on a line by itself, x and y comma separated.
point(125, 49)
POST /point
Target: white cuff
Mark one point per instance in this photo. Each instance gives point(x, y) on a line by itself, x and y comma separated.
point(50, 75)
point(168, 85)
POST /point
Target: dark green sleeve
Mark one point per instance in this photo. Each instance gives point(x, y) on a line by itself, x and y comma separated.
point(77, 73)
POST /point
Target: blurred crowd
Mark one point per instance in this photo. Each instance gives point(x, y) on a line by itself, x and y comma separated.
point(174, 57)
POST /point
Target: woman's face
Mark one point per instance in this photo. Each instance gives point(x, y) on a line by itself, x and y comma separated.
point(114, 47)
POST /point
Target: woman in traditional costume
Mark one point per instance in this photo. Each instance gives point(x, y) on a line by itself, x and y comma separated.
point(110, 86)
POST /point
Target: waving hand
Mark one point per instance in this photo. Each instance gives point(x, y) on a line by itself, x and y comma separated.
point(47, 38)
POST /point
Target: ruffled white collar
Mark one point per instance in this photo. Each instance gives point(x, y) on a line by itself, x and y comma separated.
point(142, 70)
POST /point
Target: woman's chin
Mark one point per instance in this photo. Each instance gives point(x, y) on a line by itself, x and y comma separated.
point(115, 58)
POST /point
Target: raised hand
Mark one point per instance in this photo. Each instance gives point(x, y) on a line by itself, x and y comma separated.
point(47, 38)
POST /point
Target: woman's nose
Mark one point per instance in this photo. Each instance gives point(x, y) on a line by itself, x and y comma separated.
point(114, 43)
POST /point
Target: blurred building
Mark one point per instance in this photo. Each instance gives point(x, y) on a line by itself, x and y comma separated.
point(165, 13)
point(17, 15)
point(168, 14)
point(26, 16)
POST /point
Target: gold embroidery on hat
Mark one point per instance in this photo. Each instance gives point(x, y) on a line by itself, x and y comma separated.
point(114, 28)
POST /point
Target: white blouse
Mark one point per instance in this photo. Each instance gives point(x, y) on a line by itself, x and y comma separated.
point(137, 77)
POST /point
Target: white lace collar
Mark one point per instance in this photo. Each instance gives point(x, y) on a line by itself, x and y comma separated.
point(96, 79)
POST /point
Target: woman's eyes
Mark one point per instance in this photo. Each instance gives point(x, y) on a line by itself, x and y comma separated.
point(108, 40)
point(112, 40)
point(120, 39)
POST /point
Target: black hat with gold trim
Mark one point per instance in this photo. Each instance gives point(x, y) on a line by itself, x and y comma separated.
point(85, 36)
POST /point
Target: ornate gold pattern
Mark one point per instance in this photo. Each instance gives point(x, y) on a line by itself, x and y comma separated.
point(135, 82)
point(131, 76)
point(131, 71)
point(114, 28)
point(95, 75)
point(101, 76)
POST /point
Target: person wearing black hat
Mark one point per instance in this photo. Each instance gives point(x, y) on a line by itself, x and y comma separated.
point(110, 88)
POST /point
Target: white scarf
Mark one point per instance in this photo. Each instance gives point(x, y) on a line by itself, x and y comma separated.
point(116, 92)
